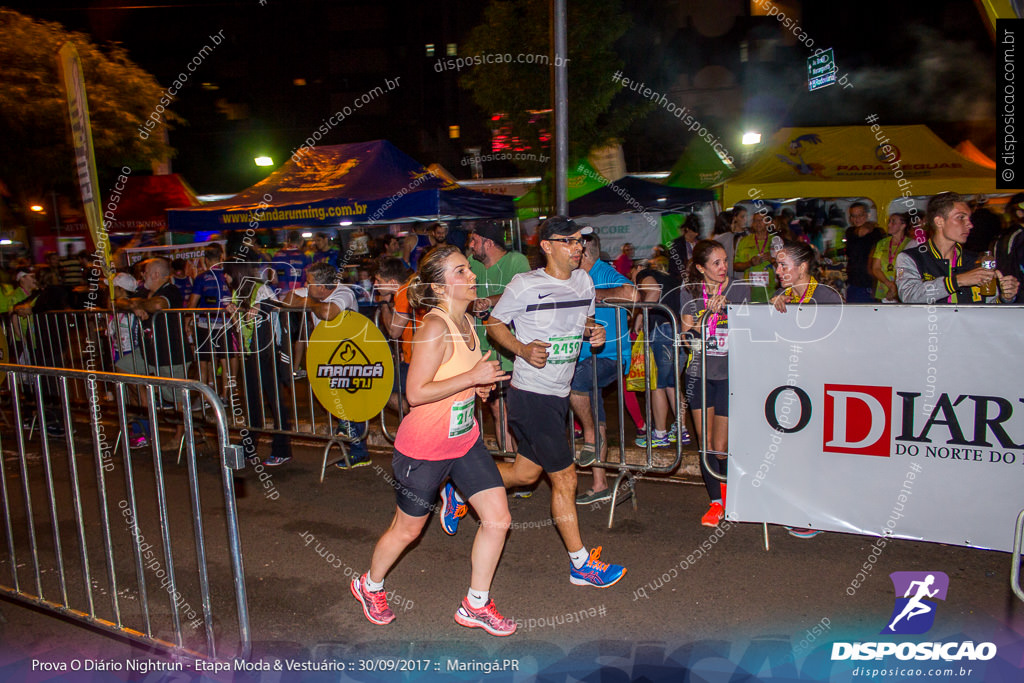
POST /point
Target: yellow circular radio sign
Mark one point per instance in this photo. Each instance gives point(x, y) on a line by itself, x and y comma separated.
point(349, 366)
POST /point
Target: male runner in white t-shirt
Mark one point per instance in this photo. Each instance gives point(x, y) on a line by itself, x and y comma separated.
point(552, 309)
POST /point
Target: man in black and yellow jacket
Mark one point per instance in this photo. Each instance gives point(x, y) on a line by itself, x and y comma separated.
point(941, 271)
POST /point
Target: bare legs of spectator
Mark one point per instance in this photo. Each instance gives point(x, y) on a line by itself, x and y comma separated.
point(299, 355)
point(581, 408)
point(501, 425)
point(660, 405)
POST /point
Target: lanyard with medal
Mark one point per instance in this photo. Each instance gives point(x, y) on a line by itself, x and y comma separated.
point(806, 296)
point(892, 254)
point(713, 320)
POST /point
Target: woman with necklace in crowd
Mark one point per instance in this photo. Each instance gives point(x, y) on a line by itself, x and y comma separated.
point(797, 268)
point(704, 301)
point(882, 265)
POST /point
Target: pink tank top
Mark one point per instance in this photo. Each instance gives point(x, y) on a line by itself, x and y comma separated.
point(444, 429)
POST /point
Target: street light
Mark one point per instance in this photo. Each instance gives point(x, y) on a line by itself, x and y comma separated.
point(264, 161)
point(752, 138)
point(37, 208)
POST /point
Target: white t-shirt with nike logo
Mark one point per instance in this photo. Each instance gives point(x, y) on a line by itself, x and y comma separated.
point(540, 307)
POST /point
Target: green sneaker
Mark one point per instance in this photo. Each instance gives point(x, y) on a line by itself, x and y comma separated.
point(592, 497)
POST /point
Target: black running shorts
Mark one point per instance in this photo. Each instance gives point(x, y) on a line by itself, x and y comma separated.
point(718, 394)
point(418, 482)
point(538, 422)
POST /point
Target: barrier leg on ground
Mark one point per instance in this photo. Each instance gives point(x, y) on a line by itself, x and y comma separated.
point(1018, 532)
point(143, 536)
point(626, 483)
point(340, 443)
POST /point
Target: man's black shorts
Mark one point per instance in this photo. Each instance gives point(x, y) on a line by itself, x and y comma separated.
point(539, 423)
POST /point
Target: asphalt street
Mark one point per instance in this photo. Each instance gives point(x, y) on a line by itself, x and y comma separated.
point(713, 602)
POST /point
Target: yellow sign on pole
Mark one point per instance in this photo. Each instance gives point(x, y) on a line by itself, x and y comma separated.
point(349, 366)
point(85, 158)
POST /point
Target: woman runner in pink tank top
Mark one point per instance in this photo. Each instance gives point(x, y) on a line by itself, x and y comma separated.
point(439, 438)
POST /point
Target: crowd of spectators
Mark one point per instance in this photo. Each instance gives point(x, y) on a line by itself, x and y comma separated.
point(258, 304)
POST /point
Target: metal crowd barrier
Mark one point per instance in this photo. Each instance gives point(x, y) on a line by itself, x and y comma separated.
point(1018, 538)
point(396, 358)
point(261, 385)
point(140, 553)
point(704, 450)
point(629, 472)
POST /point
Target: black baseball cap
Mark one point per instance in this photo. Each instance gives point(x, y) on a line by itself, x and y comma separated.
point(491, 230)
point(561, 226)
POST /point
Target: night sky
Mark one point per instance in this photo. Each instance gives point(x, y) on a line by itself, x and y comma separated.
point(286, 65)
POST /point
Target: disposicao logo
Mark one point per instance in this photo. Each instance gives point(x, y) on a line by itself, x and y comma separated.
point(913, 613)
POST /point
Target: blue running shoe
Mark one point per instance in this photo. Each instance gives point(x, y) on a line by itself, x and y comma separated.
point(358, 453)
point(656, 441)
point(596, 573)
point(356, 458)
point(675, 435)
point(452, 509)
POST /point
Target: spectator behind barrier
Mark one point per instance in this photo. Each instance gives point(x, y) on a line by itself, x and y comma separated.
point(398, 320)
point(941, 270)
point(1009, 248)
point(163, 336)
point(253, 308)
point(180, 277)
point(883, 258)
point(656, 285)
point(210, 291)
point(326, 298)
point(704, 302)
point(494, 266)
point(861, 237)
point(753, 255)
point(611, 361)
point(798, 271)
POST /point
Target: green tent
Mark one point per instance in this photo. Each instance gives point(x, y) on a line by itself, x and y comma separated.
point(583, 178)
point(698, 167)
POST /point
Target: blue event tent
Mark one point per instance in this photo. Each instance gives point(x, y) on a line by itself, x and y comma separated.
point(359, 183)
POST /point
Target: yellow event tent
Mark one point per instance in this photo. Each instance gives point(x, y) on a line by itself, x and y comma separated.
point(880, 163)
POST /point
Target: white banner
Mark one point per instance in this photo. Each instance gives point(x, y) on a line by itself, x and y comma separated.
point(192, 252)
point(903, 421)
point(642, 230)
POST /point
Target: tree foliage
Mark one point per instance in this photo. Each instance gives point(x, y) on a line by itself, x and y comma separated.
point(515, 27)
point(36, 153)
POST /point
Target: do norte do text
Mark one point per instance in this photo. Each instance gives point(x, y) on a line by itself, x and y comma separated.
point(968, 427)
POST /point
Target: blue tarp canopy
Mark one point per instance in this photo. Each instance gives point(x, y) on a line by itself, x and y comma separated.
point(632, 194)
point(364, 182)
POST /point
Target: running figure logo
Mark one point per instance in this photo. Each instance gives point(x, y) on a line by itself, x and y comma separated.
point(914, 612)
